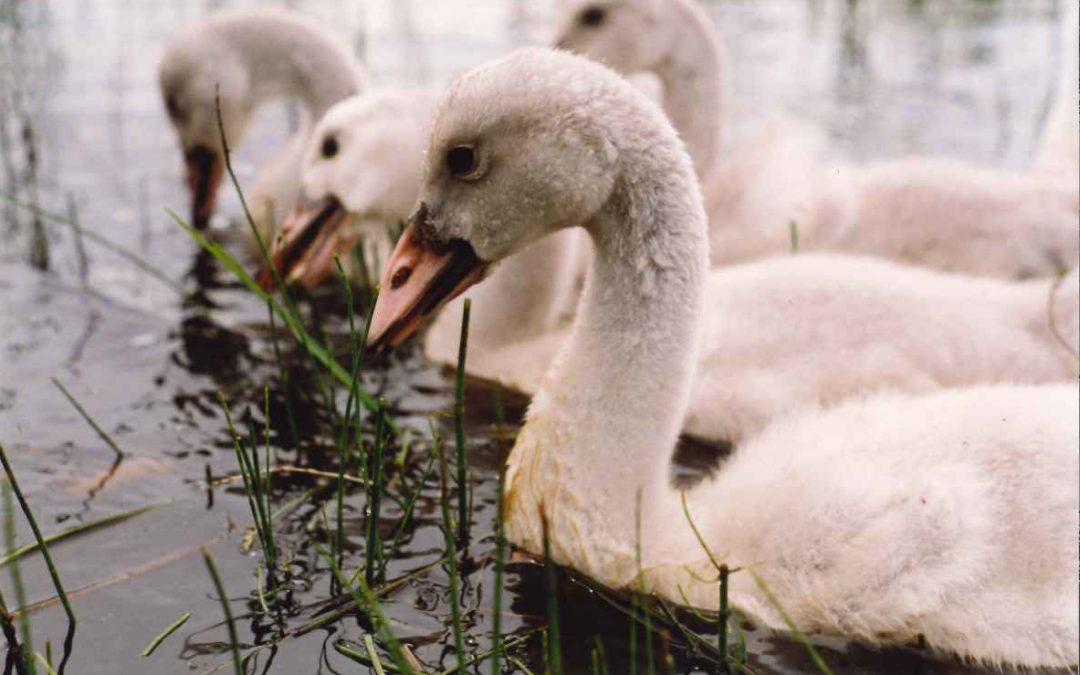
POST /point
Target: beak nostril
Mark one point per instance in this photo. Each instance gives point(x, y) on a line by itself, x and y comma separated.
point(401, 275)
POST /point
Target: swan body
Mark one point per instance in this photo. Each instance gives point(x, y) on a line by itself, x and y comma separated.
point(373, 175)
point(249, 58)
point(951, 515)
point(787, 333)
point(937, 213)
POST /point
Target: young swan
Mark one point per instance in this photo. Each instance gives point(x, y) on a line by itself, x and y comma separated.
point(933, 212)
point(249, 58)
point(951, 516)
point(860, 325)
point(361, 175)
point(792, 332)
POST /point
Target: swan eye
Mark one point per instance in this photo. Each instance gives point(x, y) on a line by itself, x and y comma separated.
point(461, 160)
point(173, 108)
point(592, 16)
point(329, 147)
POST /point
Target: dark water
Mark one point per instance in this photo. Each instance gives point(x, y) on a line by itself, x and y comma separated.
point(82, 134)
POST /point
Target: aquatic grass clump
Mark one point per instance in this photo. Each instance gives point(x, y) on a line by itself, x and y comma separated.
point(256, 486)
point(367, 601)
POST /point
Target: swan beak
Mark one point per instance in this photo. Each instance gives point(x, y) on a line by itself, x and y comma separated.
point(204, 173)
point(420, 277)
point(311, 235)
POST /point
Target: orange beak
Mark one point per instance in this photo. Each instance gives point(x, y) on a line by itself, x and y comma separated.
point(420, 277)
point(312, 234)
point(204, 173)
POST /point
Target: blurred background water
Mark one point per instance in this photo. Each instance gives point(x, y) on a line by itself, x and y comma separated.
point(83, 133)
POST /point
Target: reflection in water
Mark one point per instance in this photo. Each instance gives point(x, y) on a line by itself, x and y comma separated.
point(27, 69)
point(969, 78)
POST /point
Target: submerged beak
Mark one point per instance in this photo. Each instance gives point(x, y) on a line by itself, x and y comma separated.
point(420, 277)
point(312, 234)
point(204, 173)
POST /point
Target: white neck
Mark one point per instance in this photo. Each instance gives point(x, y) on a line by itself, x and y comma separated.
point(692, 84)
point(290, 59)
point(602, 428)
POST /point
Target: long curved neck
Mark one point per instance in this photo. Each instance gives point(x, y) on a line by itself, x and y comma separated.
point(601, 429)
point(289, 59)
point(693, 90)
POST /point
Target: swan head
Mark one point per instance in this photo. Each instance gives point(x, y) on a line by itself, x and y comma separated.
point(627, 35)
point(519, 148)
point(362, 161)
point(193, 77)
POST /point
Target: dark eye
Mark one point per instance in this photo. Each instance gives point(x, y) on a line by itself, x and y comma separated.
point(329, 147)
point(592, 16)
point(461, 160)
point(172, 108)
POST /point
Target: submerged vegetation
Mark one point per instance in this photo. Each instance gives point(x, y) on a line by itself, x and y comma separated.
point(348, 534)
point(379, 461)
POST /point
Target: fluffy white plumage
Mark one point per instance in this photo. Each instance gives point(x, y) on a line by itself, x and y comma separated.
point(951, 515)
point(250, 58)
point(791, 332)
point(937, 213)
point(375, 173)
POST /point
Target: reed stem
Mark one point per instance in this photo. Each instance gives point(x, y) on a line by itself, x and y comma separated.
point(234, 643)
point(500, 562)
point(459, 429)
point(42, 544)
point(89, 420)
point(554, 641)
point(374, 543)
point(451, 561)
point(722, 623)
point(26, 655)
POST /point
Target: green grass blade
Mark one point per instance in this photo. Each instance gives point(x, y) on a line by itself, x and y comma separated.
point(42, 544)
point(369, 645)
point(75, 530)
point(366, 600)
point(310, 345)
point(89, 420)
point(555, 665)
point(26, 655)
point(451, 562)
point(234, 643)
point(799, 635)
point(500, 563)
point(163, 635)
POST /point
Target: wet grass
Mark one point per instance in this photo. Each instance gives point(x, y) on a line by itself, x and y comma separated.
point(376, 467)
point(373, 459)
point(25, 658)
point(164, 634)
